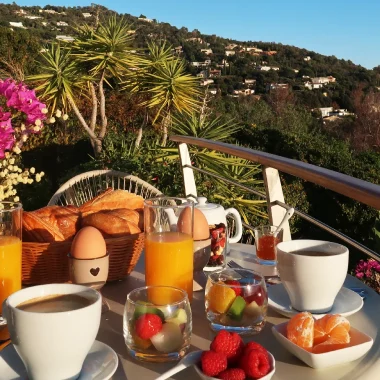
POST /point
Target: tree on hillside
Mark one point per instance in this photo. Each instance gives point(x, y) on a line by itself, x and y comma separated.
point(99, 57)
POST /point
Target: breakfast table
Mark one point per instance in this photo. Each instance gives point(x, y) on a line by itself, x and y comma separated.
point(288, 366)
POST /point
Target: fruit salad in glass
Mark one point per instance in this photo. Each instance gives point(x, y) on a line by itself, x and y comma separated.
point(236, 300)
point(157, 323)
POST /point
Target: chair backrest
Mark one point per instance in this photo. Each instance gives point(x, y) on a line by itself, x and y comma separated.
point(86, 186)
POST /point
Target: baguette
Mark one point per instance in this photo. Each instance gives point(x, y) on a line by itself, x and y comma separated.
point(111, 200)
point(110, 225)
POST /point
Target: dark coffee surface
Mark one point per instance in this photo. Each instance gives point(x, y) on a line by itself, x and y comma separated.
point(312, 253)
point(55, 303)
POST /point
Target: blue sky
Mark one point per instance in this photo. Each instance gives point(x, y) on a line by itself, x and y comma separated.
point(348, 29)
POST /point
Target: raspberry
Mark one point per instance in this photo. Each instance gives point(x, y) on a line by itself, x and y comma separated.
point(232, 374)
point(256, 294)
point(255, 364)
point(213, 363)
point(254, 346)
point(148, 325)
point(236, 286)
point(229, 344)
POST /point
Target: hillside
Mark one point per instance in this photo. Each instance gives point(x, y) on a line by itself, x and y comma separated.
point(227, 67)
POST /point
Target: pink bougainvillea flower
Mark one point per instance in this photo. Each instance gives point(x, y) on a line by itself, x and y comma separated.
point(7, 139)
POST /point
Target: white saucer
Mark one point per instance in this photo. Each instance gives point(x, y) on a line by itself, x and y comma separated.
point(347, 302)
point(100, 364)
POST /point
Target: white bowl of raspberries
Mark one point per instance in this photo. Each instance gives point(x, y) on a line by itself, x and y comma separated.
point(229, 358)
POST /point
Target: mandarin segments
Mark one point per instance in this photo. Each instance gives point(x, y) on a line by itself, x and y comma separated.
point(338, 338)
point(324, 326)
point(300, 330)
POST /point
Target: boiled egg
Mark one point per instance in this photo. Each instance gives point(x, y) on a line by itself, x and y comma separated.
point(201, 229)
point(88, 244)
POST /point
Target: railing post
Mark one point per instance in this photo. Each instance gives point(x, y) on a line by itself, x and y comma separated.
point(188, 173)
point(274, 193)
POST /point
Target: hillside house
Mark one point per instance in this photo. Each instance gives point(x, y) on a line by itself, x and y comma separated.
point(145, 19)
point(51, 11)
point(195, 39)
point(244, 92)
point(325, 111)
point(267, 68)
point(206, 51)
point(44, 23)
point(86, 15)
point(205, 82)
point(229, 52)
point(231, 46)
point(20, 12)
point(203, 74)
point(208, 62)
point(269, 52)
point(33, 17)
point(276, 86)
point(250, 82)
point(65, 38)
point(323, 80)
point(17, 25)
point(178, 50)
point(215, 73)
point(307, 59)
point(296, 71)
point(62, 23)
point(213, 91)
point(313, 86)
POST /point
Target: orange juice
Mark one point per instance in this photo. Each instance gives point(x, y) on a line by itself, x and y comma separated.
point(10, 266)
point(169, 261)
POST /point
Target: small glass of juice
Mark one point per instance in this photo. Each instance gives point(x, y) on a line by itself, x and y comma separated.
point(266, 240)
point(169, 252)
point(157, 323)
point(10, 250)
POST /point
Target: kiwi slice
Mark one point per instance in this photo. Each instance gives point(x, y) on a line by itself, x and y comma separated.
point(141, 309)
point(237, 308)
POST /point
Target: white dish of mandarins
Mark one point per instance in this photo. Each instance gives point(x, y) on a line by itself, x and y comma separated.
point(324, 342)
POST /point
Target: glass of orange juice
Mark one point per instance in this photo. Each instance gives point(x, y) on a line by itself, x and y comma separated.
point(10, 250)
point(168, 224)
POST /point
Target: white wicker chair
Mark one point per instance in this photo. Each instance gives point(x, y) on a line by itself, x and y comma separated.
point(86, 186)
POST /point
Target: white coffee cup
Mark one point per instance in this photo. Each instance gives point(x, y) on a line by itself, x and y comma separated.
point(312, 281)
point(53, 346)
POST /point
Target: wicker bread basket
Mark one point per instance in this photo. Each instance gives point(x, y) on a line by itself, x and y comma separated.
point(44, 263)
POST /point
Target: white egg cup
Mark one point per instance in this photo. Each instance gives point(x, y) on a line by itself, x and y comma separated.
point(90, 272)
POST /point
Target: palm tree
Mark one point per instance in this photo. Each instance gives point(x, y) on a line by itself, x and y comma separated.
point(170, 89)
point(98, 57)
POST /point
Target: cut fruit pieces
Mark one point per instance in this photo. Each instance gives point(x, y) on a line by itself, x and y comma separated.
point(325, 325)
point(220, 298)
point(179, 317)
point(236, 310)
point(338, 338)
point(253, 310)
point(168, 339)
point(147, 309)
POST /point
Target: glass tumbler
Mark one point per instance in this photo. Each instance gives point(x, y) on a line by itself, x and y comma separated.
point(157, 323)
point(236, 300)
point(10, 250)
point(169, 252)
point(266, 240)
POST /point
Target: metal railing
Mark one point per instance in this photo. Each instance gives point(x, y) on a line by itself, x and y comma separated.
point(359, 190)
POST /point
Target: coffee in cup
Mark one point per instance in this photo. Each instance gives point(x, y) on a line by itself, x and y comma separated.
point(53, 327)
point(312, 272)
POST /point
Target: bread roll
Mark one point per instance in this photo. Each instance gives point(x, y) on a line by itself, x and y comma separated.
point(126, 214)
point(110, 225)
point(36, 229)
point(112, 200)
point(65, 219)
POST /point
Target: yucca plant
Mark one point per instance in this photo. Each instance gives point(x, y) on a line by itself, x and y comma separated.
point(99, 55)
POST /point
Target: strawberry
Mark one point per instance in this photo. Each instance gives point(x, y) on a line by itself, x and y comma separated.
point(254, 346)
point(148, 325)
point(255, 364)
point(229, 344)
point(232, 374)
point(236, 286)
point(213, 363)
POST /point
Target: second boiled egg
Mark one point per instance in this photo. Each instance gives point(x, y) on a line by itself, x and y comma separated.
point(201, 229)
